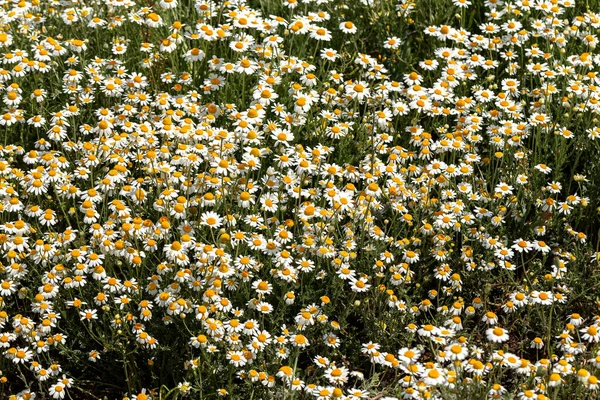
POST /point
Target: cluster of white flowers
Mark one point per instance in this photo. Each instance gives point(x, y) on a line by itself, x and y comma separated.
point(238, 190)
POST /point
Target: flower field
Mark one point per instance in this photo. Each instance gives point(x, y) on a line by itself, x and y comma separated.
point(299, 199)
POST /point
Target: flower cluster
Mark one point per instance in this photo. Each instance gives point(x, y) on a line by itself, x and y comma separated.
point(227, 198)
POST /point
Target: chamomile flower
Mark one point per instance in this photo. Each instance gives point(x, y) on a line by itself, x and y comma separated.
point(497, 335)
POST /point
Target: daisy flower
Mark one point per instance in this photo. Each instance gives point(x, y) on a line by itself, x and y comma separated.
point(211, 219)
point(348, 27)
point(497, 335)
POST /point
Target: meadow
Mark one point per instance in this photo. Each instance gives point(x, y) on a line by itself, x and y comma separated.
point(299, 199)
